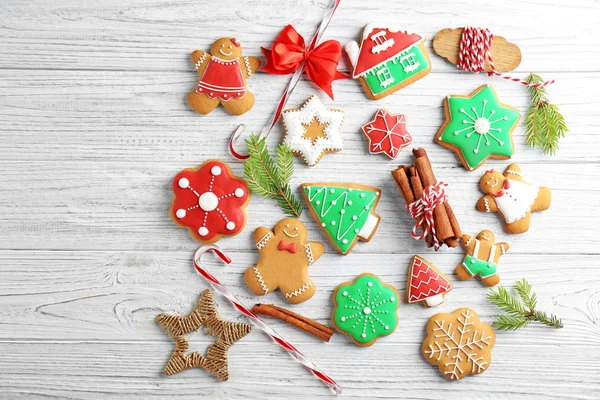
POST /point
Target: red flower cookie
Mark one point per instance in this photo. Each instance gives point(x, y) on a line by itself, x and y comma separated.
point(387, 133)
point(210, 201)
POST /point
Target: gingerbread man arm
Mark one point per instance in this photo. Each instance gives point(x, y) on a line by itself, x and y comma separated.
point(261, 236)
point(467, 242)
point(487, 204)
point(513, 172)
point(314, 251)
point(249, 65)
point(503, 247)
point(200, 60)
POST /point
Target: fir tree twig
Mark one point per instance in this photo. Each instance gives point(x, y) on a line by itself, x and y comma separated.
point(270, 179)
point(544, 123)
point(520, 314)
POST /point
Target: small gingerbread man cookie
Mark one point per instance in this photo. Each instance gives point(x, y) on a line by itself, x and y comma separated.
point(285, 256)
point(482, 258)
point(512, 197)
point(223, 75)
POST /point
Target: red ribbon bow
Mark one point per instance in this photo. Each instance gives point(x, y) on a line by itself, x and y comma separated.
point(289, 52)
point(289, 247)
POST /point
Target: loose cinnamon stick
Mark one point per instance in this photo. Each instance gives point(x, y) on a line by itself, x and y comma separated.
point(321, 331)
point(443, 227)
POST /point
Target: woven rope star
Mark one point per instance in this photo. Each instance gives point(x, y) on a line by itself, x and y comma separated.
point(205, 313)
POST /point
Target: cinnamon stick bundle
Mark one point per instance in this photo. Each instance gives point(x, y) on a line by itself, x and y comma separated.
point(321, 331)
point(411, 181)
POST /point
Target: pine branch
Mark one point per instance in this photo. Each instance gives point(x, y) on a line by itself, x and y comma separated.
point(544, 123)
point(520, 315)
point(270, 179)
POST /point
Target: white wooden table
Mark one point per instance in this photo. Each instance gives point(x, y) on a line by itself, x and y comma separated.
point(94, 125)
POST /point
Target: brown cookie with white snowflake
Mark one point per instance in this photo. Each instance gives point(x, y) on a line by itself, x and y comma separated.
point(458, 343)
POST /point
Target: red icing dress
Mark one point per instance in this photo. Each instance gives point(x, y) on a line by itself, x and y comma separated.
point(222, 79)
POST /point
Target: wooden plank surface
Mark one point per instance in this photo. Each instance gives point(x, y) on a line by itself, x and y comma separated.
point(94, 125)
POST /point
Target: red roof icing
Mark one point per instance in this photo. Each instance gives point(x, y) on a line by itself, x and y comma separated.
point(425, 281)
point(367, 59)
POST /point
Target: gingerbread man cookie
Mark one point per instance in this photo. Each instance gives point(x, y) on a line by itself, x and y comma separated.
point(482, 258)
point(285, 256)
point(223, 75)
point(509, 195)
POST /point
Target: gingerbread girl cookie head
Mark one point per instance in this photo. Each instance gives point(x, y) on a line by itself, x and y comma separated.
point(226, 49)
point(491, 182)
point(293, 230)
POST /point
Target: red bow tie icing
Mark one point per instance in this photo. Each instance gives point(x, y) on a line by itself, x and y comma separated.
point(289, 247)
point(505, 187)
point(210, 201)
point(289, 52)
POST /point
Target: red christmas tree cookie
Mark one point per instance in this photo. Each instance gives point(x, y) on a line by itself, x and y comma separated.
point(426, 283)
point(210, 201)
point(387, 133)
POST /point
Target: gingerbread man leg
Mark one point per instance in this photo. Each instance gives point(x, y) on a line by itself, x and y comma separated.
point(491, 280)
point(520, 226)
point(201, 102)
point(462, 273)
point(239, 106)
point(257, 281)
point(299, 294)
point(542, 202)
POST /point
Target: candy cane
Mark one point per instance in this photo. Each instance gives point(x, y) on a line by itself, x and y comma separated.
point(295, 353)
point(475, 44)
point(288, 89)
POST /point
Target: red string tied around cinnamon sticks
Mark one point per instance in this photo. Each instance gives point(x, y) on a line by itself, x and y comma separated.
point(422, 211)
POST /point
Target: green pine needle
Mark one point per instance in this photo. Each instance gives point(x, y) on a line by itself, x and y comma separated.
point(520, 315)
point(270, 179)
point(544, 123)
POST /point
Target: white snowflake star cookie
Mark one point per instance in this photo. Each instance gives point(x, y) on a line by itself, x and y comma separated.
point(313, 130)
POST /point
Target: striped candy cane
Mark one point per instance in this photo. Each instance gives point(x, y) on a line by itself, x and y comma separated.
point(288, 89)
point(295, 353)
point(475, 44)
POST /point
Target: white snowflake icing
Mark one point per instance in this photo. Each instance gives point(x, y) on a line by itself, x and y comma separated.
point(465, 348)
point(208, 201)
point(366, 310)
point(481, 125)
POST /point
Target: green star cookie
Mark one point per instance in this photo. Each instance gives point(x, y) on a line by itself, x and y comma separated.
point(478, 127)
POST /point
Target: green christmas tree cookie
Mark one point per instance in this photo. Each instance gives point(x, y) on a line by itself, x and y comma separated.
point(365, 309)
point(346, 212)
point(478, 127)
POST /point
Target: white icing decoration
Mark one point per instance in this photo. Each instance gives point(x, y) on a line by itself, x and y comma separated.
point(481, 125)
point(263, 242)
point(230, 225)
point(299, 291)
point(180, 213)
point(460, 349)
point(216, 170)
point(516, 201)
point(184, 183)
point(260, 280)
point(247, 64)
point(239, 192)
point(203, 231)
point(369, 227)
point(295, 121)
point(200, 61)
point(208, 201)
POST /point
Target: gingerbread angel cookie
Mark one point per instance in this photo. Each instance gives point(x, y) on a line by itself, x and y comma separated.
point(482, 258)
point(223, 75)
point(514, 199)
point(285, 256)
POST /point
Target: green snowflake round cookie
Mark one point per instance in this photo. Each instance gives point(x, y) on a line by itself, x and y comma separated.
point(365, 309)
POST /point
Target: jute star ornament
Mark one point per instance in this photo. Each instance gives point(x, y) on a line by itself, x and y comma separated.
point(226, 332)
